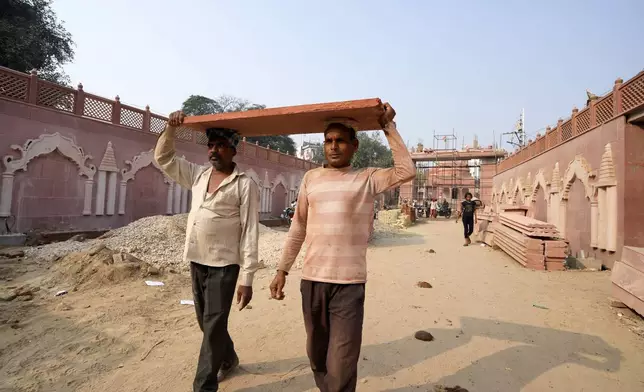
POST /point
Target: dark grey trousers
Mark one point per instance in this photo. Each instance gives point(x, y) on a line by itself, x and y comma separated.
point(213, 289)
point(333, 316)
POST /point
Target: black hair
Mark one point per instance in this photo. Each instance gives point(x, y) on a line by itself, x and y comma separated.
point(342, 127)
point(468, 194)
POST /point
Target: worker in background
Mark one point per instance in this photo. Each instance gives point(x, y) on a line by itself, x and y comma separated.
point(334, 215)
point(468, 215)
point(221, 242)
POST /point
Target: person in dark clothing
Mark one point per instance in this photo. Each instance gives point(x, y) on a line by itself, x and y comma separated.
point(468, 215)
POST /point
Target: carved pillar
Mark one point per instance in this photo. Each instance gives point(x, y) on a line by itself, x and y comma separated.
point(6, 195)
point(168, 209)
point(549, 209)
point(596, 217)
point(100, 193)
point(177, 198)
point(111, 193)
point(122, 194)
point(87, 203)
point(562, 218)
point(184, 200)
point(611, 218)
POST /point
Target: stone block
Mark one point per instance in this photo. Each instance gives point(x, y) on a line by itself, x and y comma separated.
point(291, 120)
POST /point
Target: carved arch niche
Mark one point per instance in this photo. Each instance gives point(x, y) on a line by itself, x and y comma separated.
point(605, 204)
point(44, 145)
point(279, 179)
point(502, 195)
point(176, 198)
point(578, 169)
point(540, 183)
point(517, 193)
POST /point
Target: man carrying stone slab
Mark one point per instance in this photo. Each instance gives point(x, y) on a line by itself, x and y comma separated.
point(221, 242)
point(334, 213)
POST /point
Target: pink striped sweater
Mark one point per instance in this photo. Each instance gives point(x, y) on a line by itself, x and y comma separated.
point(334, 214)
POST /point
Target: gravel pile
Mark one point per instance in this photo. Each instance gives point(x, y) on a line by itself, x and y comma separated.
point(159, 240)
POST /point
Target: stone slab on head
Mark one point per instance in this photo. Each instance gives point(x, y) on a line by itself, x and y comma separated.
point(290, 120)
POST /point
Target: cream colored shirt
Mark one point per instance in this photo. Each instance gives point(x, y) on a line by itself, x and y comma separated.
point(223, 228)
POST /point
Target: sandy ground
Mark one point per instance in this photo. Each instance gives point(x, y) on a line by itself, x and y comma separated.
point(129, 337)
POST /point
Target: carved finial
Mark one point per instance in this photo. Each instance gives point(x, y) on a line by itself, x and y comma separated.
point(619, 81)
point(244, 138)
point(80, 86)
point(538, 135)
point(117, 99)
point(548, 129)
point(560, 121)
point(147, 108)
point(257, 143)
point(34, 72)
point(575, 110)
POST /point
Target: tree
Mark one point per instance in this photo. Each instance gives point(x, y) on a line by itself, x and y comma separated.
point(31, 37)
point(372, 152)
point(197, 105)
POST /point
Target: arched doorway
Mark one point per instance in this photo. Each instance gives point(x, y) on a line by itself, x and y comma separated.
point(279, 199)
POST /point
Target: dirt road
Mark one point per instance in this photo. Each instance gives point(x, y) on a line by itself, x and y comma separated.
point(489, 336)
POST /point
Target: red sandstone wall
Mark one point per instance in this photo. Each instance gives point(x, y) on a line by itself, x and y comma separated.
point(50, 194)
point(634, 185)
point(591, 145)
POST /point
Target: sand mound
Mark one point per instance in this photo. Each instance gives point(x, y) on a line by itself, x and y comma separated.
point(96, 267)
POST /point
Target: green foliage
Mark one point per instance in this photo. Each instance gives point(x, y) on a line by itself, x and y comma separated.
point(197, 105)
point(31, 37)
point(372, 152)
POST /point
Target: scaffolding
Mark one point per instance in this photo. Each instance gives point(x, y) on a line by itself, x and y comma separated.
point(448, 177)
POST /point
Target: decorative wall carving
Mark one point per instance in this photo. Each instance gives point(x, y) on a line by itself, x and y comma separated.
point(517, 192)
point(106, 185)
point(137, 163)
point(605, 201)
point(539, 183)
point(279, 179)
point(555, 183)
point(601, 194)
point(579, 169)
point(45, 144)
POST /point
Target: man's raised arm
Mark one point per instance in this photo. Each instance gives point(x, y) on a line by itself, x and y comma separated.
point(404, 169)
point(178, 169)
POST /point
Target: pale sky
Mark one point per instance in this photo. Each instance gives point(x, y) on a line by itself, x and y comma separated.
point(470, 66)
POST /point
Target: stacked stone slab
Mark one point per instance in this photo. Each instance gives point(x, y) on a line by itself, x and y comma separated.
point(555, 252)
point(627, 279)
point(532, 243)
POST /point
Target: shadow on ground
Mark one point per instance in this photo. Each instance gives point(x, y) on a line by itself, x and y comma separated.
point(542, 349)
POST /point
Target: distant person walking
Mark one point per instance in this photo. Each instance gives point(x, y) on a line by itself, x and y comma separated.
point(433, 208)
point(334, 214)
point(221, 242)
point(468, 215)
